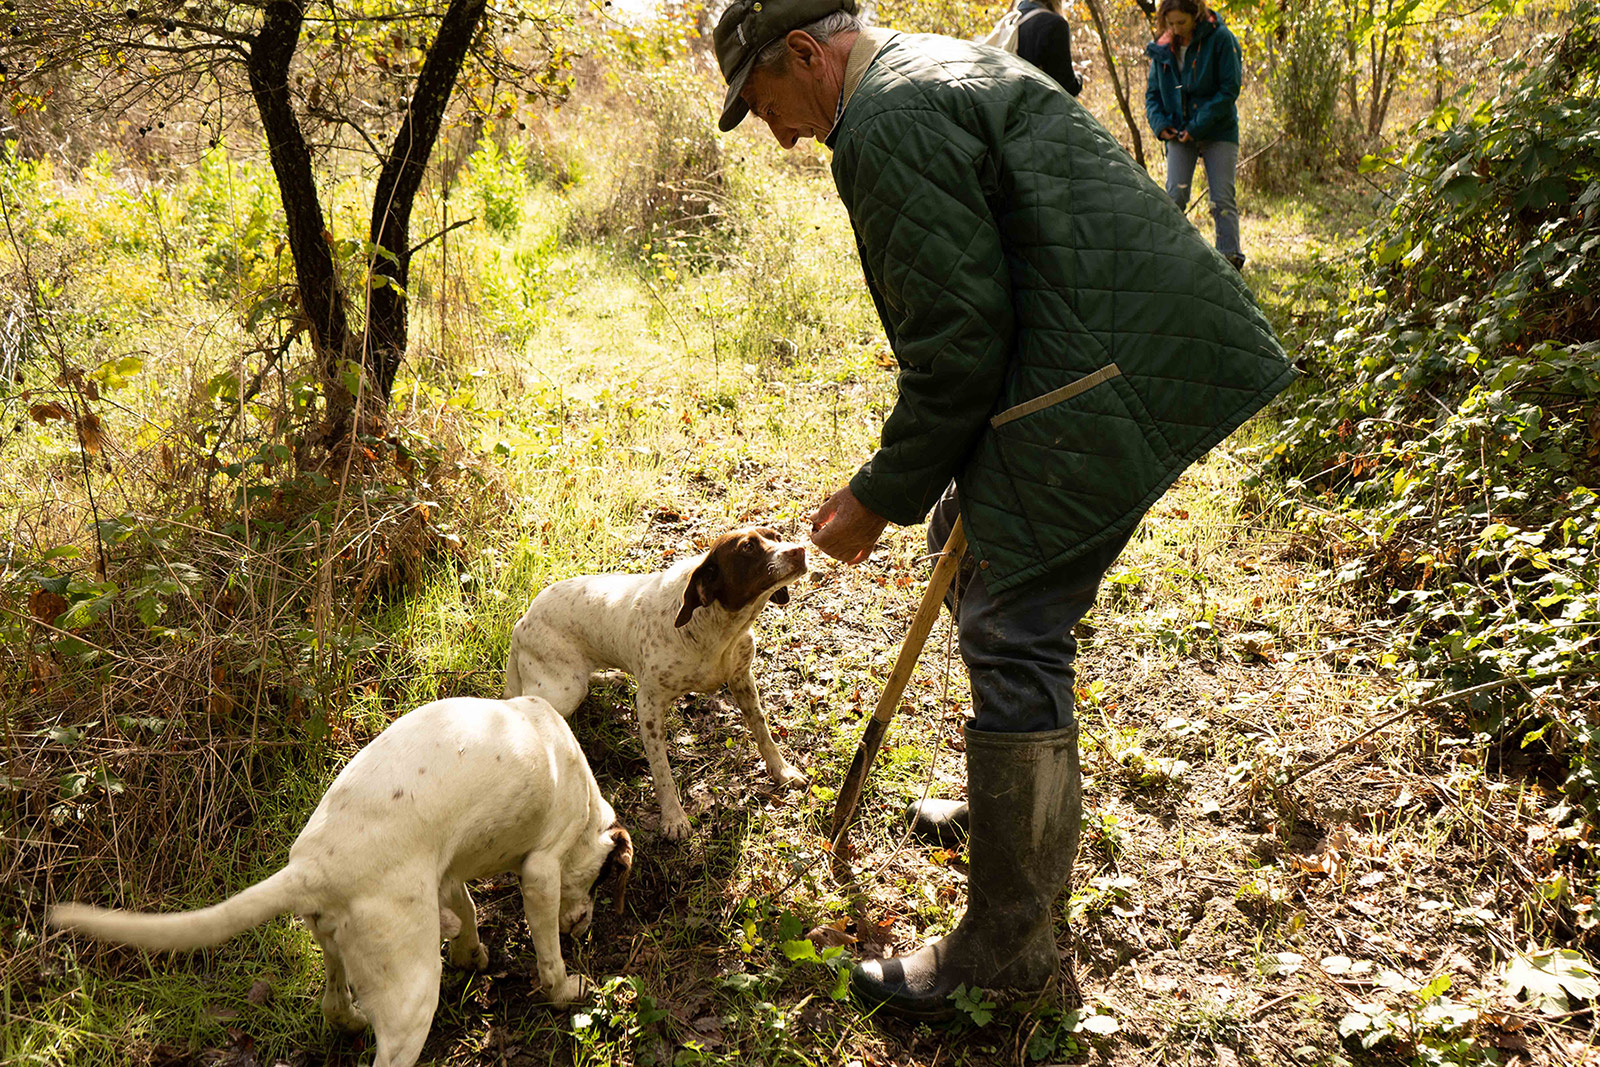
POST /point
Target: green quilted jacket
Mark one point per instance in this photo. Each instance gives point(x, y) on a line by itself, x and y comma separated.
point(1068, 343)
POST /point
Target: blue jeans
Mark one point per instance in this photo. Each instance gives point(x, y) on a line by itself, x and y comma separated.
point(1018, 645)
point(1221, 158)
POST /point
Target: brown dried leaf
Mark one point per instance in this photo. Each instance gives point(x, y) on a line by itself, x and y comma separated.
point(43, 413)
point(90, 436)
point(1332, 856)
point(46, 606)
point(260, 992)
point(829, 937)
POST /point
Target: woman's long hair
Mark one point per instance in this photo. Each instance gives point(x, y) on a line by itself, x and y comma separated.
point(1188, 7)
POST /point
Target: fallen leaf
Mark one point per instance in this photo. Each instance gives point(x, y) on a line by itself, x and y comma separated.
point(1549, 978)
point(829, 937)
point(260, 992)
point(1331, 856)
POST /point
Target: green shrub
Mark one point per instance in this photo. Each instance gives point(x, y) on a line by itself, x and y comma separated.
point(1307, 65)
point(1450, 419)
point(671, 201)
point(500, 178)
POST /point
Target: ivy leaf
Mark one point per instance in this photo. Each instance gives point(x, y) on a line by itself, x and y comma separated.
point(1548, 978)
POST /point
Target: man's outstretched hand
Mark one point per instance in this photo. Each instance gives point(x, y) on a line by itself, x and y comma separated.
point(845, 528)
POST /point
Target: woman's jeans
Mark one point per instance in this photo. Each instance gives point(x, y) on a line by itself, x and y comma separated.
point(1221, 157)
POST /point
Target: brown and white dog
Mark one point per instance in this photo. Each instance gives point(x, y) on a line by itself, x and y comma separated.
point(683, 630)
point(458, 789)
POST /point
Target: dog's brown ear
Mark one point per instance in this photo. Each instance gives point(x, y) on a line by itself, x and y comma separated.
point(704, 586)
point(622, 856)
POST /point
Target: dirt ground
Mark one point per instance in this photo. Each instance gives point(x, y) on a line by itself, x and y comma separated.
point(1219, 911)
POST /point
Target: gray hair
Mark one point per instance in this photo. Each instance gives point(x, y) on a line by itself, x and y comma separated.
point(774, 53)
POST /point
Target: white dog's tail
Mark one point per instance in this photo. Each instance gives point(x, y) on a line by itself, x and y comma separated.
point(173, 932)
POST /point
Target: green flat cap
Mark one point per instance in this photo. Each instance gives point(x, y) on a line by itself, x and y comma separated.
point(748, 26)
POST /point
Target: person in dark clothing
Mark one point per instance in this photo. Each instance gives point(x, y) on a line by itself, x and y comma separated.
point(1067, 346)
point(1044, 39)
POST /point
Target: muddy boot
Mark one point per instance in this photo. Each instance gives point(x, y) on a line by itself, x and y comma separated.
point(938, 822)
point(1025, 805)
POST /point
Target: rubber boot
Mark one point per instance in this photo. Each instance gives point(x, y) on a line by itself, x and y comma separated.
point(1025, 804)
point(938, 822)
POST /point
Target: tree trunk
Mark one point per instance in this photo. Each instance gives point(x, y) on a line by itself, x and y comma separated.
point(1378, 50)
point(1116, 81)
point(397, 186)
point(1397, 63)
point(1352, 57)
point(321, 298)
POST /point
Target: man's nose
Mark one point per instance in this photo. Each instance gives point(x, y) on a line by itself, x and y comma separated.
point(785, 135)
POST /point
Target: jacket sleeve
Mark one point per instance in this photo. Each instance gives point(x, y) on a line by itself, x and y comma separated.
point(1154, 111)
point(931, 249)
point(1217, 111)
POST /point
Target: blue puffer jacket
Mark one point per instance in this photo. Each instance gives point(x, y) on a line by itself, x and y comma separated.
point(1202, 97)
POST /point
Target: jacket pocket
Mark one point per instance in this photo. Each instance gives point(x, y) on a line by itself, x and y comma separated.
point(1056, 396)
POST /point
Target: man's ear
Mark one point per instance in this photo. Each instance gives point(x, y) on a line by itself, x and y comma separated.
point(804, 46)
point(622, 856)
point(704, 585)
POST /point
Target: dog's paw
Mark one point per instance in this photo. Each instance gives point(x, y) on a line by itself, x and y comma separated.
point(790, 776)
point(476, 960)
point(674, 826)
point(576, 987)
point(346, 1017)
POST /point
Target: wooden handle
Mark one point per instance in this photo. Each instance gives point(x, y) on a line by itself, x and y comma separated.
point(844, 809)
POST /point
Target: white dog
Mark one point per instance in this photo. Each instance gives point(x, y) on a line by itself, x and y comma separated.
point(456, 790)
point(683, 630)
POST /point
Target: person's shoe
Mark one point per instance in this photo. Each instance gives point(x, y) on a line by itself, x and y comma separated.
point(938, 822)
point(1024, 807)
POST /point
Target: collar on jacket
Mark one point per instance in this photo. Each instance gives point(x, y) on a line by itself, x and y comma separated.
point(869, 42)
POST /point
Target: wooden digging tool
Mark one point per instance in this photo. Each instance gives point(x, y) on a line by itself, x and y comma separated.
point(844, 810)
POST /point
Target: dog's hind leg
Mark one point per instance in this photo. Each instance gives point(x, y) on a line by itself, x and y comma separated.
point(337, 1006)
point(466, 951)
point(541, 902)
point(748, 698)
point(392, 953)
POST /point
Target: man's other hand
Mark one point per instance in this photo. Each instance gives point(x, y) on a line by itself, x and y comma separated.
point(845, 528)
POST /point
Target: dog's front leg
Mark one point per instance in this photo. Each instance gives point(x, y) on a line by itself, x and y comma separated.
point(652, 707)
point(541, 902)
point(466, 951)
point(748, 698)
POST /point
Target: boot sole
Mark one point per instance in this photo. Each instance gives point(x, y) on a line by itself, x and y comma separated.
point(944, 1010)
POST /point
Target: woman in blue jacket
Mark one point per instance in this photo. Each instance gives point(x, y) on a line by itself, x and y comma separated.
point(1190, 100)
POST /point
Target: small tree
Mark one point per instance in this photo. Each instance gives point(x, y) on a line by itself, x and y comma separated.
point(370, 78)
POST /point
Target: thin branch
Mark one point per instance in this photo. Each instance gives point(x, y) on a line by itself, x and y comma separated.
point(1486, 687)
point(425, 242)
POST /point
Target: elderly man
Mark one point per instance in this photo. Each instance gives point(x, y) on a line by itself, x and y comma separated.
point(1068, 345)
